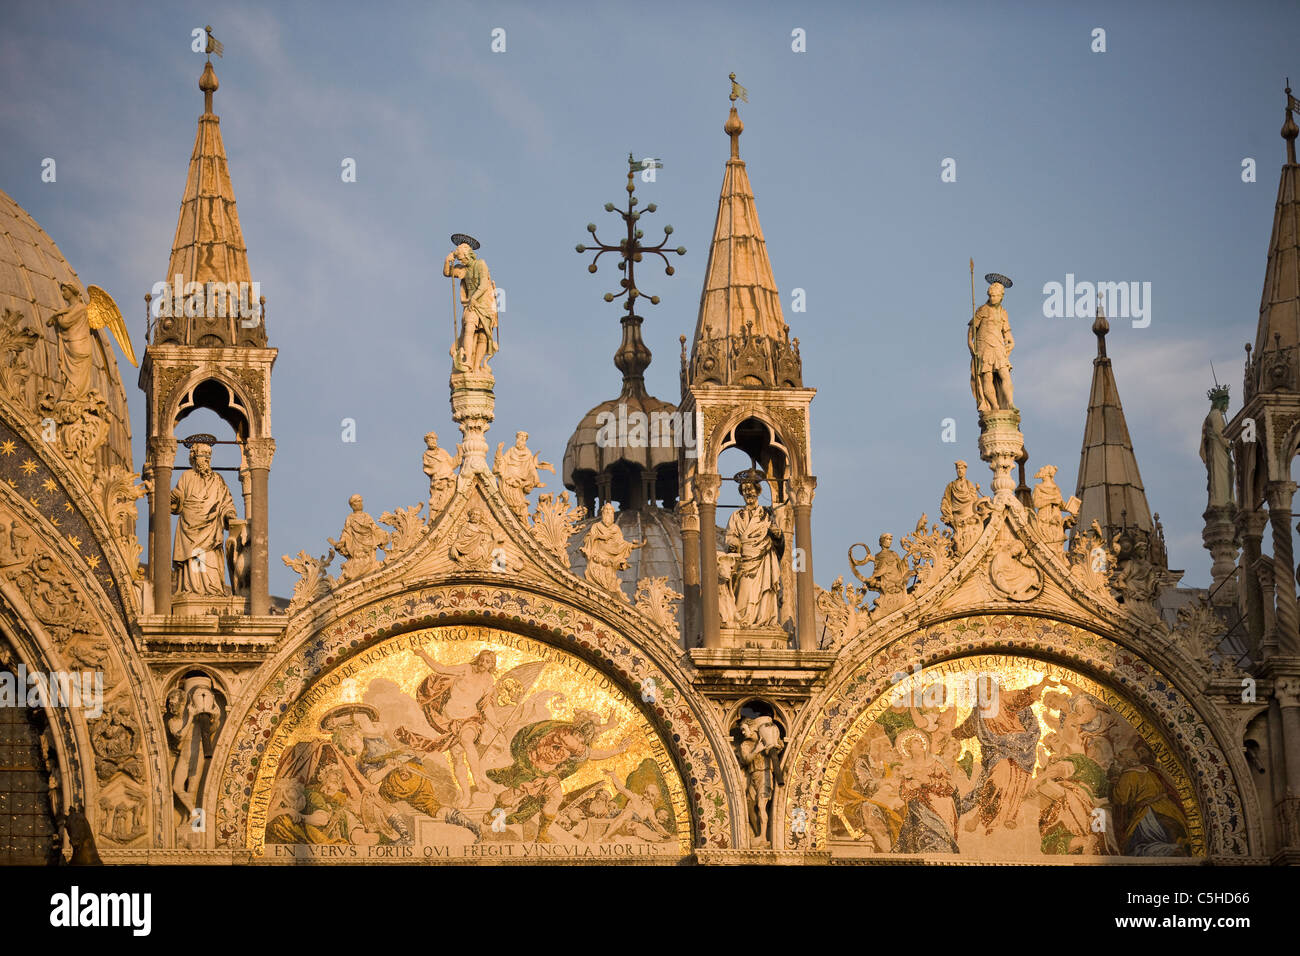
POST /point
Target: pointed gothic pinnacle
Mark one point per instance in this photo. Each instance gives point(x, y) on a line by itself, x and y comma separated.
point(1099, 328)
point(1289, 128)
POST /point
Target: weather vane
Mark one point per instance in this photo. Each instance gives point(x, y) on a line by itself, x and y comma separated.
point(214, 45)
point(631, 249)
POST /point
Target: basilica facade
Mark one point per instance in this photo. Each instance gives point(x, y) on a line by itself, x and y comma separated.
point(631, 670)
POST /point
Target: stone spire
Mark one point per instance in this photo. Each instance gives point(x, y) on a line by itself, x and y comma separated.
point(1110, 485)
point(741, 337)
point(1279, 307)
point(209, 244)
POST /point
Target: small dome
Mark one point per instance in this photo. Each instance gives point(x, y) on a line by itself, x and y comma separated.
point(31, 271)
point(633, 442)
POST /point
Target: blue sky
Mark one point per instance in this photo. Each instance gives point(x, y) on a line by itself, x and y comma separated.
point(1115, 166)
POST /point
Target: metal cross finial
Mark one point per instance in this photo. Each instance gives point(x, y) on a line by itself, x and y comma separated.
point(631, 249)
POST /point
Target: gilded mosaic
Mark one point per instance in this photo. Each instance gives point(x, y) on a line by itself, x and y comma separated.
point(455, 743)
point(1004, 757)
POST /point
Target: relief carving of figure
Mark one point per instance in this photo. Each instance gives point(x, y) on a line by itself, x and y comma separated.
point(990, 343)
point(360, 538)
point(441, 469)
point(963, 509)
point(754, 537)
point(202, 500)
point(478, 308)
point(1013, 575)
point(115, 739)
point(517, 469)
point(607, 552)
point(1216, 451)
point(472, 545)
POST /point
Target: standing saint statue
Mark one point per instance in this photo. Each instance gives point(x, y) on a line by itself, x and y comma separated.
point(202, 500)
point(989, 340)
point(441, 469)
point(517, 469)
point(607, 552)
point(358, 541)
point(754, 536)
point(476, 343)
point(1216, 451)
point(963, 509)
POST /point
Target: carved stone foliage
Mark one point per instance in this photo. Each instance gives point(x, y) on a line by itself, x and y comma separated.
point(554, 523)
point(15, 369)
point(844, 611)
point(115, 494)
point(314, 582)
point(408, 528)
point(1200, 630)
point(77, 427)
point(657, 601)
point(931, 554)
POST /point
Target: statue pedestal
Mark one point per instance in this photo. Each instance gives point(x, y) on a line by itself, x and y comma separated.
point(1001, 445)
point(1220, 538)
point(196, 605)
point(473, 406)
point(754, 638)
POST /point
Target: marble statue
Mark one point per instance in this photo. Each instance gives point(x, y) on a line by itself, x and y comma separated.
point(517, 469)
point(963, 509)
point(441, 469)
point(357, 542)
point(1216, 452)
point(990, 342)
point(760, 755)
point(202, 499)
point(889, 577)
point(755, 537)
point(193, 720)
point(726, 591)
point(476, 343)
point(607, 552)
point(1048, 520)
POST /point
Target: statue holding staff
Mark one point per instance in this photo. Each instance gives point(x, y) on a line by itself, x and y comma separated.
point(477, 340)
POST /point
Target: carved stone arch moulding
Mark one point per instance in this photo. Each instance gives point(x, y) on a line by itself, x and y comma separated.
point(1094, 689)
point(787, 423)
point(274, 746)
point(245, 393)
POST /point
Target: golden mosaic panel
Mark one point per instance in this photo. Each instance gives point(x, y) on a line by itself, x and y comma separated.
point(1002, 757)
point(466, 743)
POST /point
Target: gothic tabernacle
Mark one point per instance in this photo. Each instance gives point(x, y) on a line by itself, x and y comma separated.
point(625, 656)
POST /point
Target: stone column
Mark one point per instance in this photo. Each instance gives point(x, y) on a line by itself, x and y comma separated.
point(162, 454)
point(803, 490)
point(1268, 628)
point(1250, 525)
point(258, 454)
point(690, 518)
point(706, 489)
point(1288, 620)
point(1286, 693)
